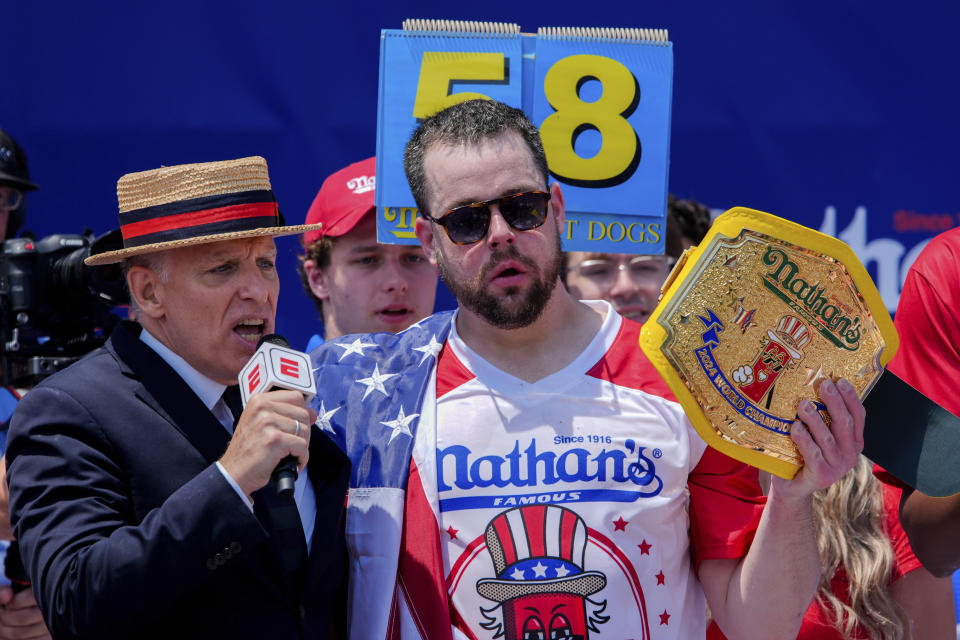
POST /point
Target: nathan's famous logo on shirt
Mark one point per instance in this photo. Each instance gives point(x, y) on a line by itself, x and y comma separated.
point(808, 300)
point(564, 474)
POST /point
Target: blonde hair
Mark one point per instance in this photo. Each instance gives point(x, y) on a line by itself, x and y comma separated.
point(849, 517)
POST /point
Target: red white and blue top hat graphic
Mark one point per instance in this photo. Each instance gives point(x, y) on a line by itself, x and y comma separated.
point(792, 335)
point(538, 549)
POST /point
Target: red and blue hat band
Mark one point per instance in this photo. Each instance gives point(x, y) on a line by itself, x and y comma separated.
point(199, 217)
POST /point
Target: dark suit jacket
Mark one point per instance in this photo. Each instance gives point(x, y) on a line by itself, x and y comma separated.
point(128, 529)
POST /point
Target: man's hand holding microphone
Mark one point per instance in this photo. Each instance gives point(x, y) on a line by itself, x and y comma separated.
point(272, 437)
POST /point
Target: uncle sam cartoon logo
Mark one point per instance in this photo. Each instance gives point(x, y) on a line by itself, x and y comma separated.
point(782, 349)
point(541, 588)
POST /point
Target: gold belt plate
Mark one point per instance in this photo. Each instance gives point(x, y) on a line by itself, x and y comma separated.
point(752, 320)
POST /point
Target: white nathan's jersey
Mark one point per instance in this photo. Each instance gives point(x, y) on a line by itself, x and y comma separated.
point(564, 503)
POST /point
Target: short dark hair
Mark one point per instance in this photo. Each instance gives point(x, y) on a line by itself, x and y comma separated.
point(693, 218)
point(318, 251)
point(469, 122)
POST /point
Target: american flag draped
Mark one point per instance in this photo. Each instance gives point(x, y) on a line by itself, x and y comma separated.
point(376, 398)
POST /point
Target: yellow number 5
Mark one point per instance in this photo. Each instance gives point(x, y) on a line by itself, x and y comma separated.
point(620, 150)
point(440, 69)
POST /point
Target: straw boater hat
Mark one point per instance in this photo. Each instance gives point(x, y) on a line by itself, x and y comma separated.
point(189, 204)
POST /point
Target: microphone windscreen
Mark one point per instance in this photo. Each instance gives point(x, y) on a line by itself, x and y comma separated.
point(273, 338)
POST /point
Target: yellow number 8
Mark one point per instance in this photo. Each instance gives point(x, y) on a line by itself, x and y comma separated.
point(620, 151)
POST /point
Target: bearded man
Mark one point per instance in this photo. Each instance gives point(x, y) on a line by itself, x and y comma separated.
point(517, 467)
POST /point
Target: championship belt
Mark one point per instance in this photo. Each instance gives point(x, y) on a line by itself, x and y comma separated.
point(753, 320)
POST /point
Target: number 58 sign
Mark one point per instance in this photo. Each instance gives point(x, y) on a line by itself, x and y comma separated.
point(600, 97)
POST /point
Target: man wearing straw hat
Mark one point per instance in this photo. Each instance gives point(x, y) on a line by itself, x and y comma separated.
point(138, 485)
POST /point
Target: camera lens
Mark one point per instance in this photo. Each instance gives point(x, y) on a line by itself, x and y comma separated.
point(68, 274)
point(77, 283)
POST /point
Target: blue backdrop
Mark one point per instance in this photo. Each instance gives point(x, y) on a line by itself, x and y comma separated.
point(839, 115)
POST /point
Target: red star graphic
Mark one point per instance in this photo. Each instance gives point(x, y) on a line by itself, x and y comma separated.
point(661, 578)
point(644, 548)
point(452, 532)
point(664, 617)
point(620, 524)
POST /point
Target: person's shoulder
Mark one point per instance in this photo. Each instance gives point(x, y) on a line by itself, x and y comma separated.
point(80, 394)
point(98, 378)
point(315, 341)
point(434, 328)
point(949, 238)
point(92, 380)
point(626, 365)
point(87, 372)
point(941, 253)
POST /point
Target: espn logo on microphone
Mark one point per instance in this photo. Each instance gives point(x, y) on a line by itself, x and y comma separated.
point(253, 378)
point(275, 367)
point(289, 367)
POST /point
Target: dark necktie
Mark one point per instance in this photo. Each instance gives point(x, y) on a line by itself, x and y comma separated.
point(231, 397)
point(286, 531)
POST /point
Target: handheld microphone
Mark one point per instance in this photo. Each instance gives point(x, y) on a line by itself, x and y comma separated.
point(275, 365)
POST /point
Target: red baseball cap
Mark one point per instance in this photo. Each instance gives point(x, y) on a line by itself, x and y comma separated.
point(344, 198)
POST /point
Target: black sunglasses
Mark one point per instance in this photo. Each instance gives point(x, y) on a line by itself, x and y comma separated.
point(469, 223)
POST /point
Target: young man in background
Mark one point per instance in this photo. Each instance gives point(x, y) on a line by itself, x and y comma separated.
point(357, 284)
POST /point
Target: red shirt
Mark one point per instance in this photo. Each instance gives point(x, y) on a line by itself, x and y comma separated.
point(928, 323)
point(928, 326)
point(816, 622)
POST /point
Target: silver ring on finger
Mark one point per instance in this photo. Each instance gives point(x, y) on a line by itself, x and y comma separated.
point(297, 432)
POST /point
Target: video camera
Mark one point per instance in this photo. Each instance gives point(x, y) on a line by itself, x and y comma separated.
point(53, 308)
